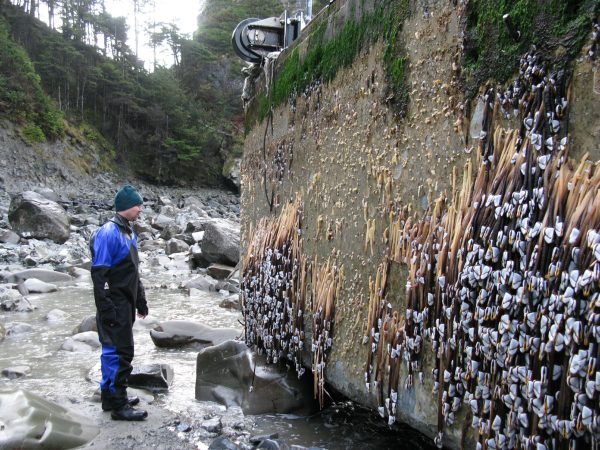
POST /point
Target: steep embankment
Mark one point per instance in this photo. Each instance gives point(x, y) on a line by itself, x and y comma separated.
point(413, 212)
point(71, 167)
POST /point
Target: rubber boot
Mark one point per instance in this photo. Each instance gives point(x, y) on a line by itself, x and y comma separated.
point(127, 412)
point(106, 404)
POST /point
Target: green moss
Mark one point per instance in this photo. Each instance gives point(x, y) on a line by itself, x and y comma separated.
point(32, 134)
point(492, 51)
point(324, 58)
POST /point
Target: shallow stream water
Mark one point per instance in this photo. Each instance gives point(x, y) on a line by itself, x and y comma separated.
point(57, 373)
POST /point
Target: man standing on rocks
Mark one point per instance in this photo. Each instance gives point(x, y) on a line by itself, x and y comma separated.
point(118, 293)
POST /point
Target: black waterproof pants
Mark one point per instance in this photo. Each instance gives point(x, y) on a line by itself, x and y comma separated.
point(117, 353)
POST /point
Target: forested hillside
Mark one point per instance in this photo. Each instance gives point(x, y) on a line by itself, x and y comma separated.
point(171, 125)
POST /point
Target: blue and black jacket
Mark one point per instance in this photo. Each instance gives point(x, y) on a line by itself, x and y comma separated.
point(115, 269)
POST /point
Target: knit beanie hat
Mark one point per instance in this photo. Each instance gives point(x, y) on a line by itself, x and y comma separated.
point(126, 198)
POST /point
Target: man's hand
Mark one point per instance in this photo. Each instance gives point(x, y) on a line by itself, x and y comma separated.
point(142, 310)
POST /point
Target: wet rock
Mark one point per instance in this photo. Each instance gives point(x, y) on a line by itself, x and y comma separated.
point(38, 286)
point(80, 274)
point(222, 443)
point(176, 246)
point(212, 425)
point(30, 421)
point(32, 215)
point(177, 333)
point(56, 315)
point(231, 302)
point(17, 328)
point(82, 342)
point(272, 444)
point(9, 237)
point(87, 324)
point(227, 373)
point(29, 261)
point(8, 293)
point(232, 286)
point(201, 282)
point(17, 304)
point(48, 276)
point(16, 372)
point(257, 439)
point(146, 323)
point(221, 242)
point(219, 271)
point(153, 377)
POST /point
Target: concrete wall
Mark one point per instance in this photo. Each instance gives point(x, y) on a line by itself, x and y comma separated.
point(352, 161)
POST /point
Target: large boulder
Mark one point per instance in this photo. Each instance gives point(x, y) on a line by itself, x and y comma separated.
point(153, 377)
point(228, 374)
point(29, 421)
point(33, 216)
point(46, 275)
point(177, 333)
point(38, 286)
point(221, 242)
point(82, 342)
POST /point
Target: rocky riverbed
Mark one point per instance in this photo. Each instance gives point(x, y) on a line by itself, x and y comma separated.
point(189, 249)
point(46, 293)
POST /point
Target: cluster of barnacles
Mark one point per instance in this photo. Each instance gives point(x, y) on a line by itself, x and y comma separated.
point(275, 289)
point(504, 283)
point(282, 160)
point(273, 285)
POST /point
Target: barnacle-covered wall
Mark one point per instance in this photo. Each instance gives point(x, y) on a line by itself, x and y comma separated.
point(430, 253)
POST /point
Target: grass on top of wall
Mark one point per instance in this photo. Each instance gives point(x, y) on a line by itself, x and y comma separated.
point(325, 57)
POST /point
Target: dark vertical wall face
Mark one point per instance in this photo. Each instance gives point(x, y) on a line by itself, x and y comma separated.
point(396, 203)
